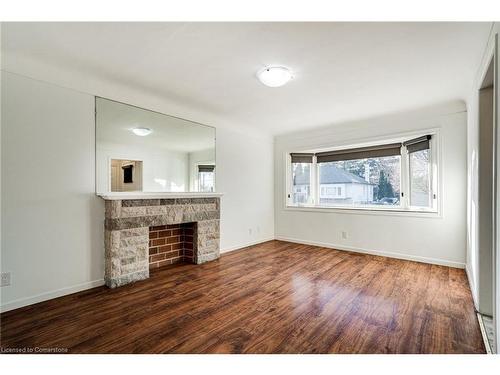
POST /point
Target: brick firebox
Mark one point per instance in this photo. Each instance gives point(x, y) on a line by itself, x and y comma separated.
point(169, 244)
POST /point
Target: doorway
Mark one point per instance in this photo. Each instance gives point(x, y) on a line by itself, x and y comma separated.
point(126, 175)
point(487, 211)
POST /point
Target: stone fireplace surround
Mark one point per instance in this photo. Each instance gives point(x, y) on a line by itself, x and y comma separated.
point(129, 220)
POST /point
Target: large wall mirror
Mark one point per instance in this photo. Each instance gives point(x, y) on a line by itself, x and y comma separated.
point(141, 150)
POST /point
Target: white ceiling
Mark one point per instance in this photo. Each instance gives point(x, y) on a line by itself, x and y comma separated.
point(115, 121)
point(343, 71)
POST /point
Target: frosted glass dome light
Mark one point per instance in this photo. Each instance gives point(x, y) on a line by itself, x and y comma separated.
point(274, 76)
point(142, 132)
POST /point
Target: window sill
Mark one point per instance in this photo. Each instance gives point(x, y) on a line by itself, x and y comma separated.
point(367, 211)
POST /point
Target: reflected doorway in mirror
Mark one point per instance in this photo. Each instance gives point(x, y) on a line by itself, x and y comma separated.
point(126, 175)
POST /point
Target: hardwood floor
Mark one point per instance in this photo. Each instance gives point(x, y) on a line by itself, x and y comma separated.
point(276, 297)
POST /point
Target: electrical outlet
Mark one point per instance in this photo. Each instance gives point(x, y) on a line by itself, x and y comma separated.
point(5, 279)
point(344, 235)
point(250, 231)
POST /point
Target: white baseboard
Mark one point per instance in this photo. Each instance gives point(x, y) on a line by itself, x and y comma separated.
point(241, 246)
point(88, 285)
point(92, 284)
point(472, 286)
point(416, 258)
point(49, 295)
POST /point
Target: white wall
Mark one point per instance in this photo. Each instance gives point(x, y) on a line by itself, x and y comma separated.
point(52, 222)
point(244, 173)
point(163, 170)
point(424, 237)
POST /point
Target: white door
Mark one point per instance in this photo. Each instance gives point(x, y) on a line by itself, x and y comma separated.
point(115, 178)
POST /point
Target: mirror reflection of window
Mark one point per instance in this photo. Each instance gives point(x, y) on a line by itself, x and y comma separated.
point(206, 178)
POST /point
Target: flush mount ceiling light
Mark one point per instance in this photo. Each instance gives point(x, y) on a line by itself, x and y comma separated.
point(274, 76)
point(142, 132)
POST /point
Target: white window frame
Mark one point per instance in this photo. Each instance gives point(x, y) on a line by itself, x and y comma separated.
point(404, 208)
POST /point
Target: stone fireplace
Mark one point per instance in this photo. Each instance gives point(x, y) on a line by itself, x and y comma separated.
point(148, 233)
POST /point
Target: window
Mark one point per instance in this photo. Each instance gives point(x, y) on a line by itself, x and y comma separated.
point(301, 182)
point(301, 178)
point(330, 191)
point(388, 176)
point(206, 178)
point(420, 172)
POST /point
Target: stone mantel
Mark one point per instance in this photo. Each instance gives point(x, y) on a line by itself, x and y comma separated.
point(128, 217)
point(152, 195)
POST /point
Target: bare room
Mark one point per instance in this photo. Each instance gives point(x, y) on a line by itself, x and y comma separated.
point(185, 187)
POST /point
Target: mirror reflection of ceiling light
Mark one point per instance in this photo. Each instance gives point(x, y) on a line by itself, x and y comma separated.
point(142, 132)
point(274, 76)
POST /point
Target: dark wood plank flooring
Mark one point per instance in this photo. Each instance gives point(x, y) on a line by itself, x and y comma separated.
point(276, 297)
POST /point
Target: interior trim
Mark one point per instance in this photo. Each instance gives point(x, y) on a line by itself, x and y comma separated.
point(242, 246)
point(415, 258)
point(483, 334)
point(18, 303)
point(22, 302)
point(472, 286)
